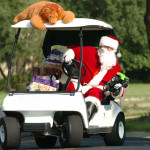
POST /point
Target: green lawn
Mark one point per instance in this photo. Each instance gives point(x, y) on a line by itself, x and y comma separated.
point(139, 124)
point(136, 107)
point(138, 90)
point(2, 96)
point(137, 103)
point(137, 100)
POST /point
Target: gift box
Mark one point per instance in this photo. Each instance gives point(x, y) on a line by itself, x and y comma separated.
point(36, 71)
point(51, 71)
point(43, 83)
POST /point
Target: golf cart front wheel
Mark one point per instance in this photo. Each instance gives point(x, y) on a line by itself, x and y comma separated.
point(117, 136)
point(72, 131)
point(45, 141)
point(9, 133)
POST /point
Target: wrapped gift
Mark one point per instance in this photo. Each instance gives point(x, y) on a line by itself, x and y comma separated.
point(55, 57)
point(53, 63)
point(36, 71)
point(51, 71)
point(43, 83)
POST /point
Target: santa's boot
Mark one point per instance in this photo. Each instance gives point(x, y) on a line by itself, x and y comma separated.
point(91, 108)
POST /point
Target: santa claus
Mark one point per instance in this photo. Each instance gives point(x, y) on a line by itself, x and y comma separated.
point(101, 65)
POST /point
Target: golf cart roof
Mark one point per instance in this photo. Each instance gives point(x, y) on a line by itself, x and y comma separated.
point(68, 34)
point(85, 23)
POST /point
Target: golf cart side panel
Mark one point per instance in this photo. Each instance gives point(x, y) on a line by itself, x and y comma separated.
point(116, 111)
point(106, 115)
point(30, 104)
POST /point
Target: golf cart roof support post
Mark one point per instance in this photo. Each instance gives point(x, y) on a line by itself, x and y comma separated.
point(81, 60)
point(12, 53)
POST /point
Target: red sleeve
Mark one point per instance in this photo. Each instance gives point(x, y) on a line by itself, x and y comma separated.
point(76, 50)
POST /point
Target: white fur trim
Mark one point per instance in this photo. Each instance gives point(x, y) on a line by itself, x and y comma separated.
point(98, 78)
point(68, 55)
point(122, 92)
point(100, 87)
point(93, 100)
point(107, 41)
point(85, 88)
point(119, 55)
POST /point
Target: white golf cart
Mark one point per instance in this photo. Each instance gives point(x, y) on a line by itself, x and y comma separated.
point(61, 114)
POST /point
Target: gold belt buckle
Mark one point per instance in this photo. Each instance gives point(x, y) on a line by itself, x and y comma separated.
point(84, 83)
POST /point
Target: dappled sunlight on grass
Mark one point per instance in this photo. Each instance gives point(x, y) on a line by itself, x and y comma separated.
point(138, 90)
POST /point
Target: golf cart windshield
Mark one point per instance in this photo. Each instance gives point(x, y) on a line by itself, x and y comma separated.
point(80, 32)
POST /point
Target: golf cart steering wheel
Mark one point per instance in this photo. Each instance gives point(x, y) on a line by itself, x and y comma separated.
point(72, 70)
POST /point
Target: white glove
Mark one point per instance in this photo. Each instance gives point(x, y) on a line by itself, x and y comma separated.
point(100, 87)
point(68, 56)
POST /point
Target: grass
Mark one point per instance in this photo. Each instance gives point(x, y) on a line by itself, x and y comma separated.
point(138, 90)
point(137, 107)
point(137, 100)
point(141, 123)
point(2, 96)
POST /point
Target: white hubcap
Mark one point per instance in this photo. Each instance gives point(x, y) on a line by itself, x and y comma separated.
point(121, 129)
point(2, 133)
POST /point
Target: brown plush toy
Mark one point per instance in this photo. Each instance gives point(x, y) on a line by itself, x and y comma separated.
point(42, 12)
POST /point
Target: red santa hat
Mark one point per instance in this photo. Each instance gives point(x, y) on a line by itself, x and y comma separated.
point(110, 41)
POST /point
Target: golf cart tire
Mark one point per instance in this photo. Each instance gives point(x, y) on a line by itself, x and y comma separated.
point(45, 141)
point(117, 136)
point(72, 131)
point(10, 133)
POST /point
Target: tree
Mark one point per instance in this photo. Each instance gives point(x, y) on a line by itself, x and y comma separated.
point(147, 20)
point(126, 17)
point(28, 44)
point(1, 71)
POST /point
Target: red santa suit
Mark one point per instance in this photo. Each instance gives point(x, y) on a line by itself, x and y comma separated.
point(94, 73)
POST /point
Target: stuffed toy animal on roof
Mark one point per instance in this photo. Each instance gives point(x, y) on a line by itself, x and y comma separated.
point(42, 12)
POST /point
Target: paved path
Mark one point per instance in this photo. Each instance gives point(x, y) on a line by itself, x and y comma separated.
point(92, 143)
point(138, 134)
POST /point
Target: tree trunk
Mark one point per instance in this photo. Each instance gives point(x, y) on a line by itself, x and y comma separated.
point(1, 71)
point(147, 20)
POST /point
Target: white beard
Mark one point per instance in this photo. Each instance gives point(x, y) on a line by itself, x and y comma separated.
point(107, 58)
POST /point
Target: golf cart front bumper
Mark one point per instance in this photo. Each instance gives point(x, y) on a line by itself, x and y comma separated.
point(36, 127)
point(43, 128)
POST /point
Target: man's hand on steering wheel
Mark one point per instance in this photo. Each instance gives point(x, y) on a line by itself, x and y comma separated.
point(68, 56)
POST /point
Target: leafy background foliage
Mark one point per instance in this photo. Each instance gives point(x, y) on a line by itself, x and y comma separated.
point(126, 16)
